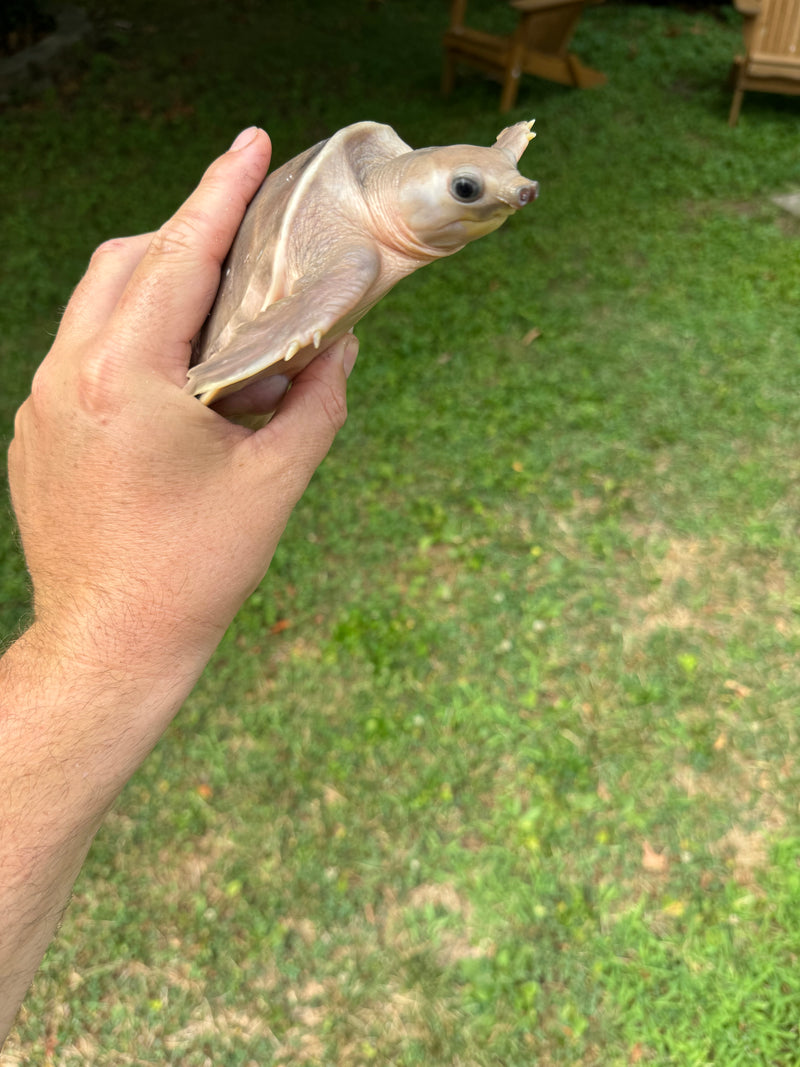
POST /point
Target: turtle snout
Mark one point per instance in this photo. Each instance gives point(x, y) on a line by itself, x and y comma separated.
point(525, 194)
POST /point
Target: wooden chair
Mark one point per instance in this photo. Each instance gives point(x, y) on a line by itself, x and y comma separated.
point(538, 46)
point(772, 45)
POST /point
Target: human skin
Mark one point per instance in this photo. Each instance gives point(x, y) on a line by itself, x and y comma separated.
point(146, 520)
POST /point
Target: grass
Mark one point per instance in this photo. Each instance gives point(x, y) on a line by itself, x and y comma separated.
point(500, 765)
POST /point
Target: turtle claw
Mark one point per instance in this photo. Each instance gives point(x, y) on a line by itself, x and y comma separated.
point(296, 345)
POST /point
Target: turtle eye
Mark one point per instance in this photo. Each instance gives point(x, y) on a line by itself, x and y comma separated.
point(466, 188)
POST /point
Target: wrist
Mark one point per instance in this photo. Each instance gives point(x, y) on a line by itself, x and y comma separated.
point(85, 712)
point(126, 636)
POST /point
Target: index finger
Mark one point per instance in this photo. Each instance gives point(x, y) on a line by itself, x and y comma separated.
point(171, 290)
point(98, 291)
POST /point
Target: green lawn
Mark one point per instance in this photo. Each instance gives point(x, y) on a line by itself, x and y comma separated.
point(500, 765)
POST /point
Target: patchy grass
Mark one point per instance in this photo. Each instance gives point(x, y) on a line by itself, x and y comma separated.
point(500, 765)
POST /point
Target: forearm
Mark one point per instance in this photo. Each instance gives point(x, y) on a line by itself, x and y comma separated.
point(71, 734)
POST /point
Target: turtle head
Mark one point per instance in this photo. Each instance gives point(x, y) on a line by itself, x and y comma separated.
point(450, 196)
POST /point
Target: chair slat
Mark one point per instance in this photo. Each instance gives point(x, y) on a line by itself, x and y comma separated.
point(772, 59)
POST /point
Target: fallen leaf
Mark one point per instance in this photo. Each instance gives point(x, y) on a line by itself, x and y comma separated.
point(656, 862)
point(675, 908)
point(279, 626)
point(531, 336)
point(737, 688)
point(332, 796)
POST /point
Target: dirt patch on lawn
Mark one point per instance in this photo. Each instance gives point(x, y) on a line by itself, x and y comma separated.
point(709, 585)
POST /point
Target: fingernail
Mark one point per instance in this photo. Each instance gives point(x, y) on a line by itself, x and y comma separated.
point(350, 354)
point(244, 138)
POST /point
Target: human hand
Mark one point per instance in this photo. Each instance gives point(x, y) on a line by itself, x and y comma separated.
point(146, 518)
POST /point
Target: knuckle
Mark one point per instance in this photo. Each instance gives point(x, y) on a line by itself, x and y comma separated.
point(95, 385)
point(21, 419)
point(44, 393)
point(42, 403)
point(113, 249)
point(179, 235)
point(189, 233)
point(334, 405)
point(100, 382)
point(39, 385)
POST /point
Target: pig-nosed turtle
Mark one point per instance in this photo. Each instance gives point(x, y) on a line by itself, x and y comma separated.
point(331, 231)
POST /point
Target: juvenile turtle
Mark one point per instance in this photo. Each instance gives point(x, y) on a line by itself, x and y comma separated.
point(331, 231)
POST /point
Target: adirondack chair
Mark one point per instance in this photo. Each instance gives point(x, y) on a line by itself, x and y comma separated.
point(538, 46)
point(772, 44)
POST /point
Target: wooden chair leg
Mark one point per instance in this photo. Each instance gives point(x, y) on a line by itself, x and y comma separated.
point(736, 106)
point(737, 77)
point(508, 97)
point(583, 77)
point(513, 69)
point(574, 68)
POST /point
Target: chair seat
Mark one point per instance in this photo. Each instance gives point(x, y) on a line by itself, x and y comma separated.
point(773, 67)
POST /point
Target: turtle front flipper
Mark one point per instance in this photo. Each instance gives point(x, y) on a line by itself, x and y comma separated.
point(288, 334)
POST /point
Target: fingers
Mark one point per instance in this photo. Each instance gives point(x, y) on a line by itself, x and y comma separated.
point(317, 401)
point(257, 399)
point(174, 284)
point(315, 409)
point(98, 292)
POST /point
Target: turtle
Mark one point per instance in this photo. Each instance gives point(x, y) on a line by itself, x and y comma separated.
point(332, 231)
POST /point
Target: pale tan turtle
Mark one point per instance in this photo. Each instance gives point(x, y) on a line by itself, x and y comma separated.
point(331, 231)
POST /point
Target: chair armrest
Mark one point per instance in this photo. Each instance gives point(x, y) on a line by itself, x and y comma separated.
point(748, 8)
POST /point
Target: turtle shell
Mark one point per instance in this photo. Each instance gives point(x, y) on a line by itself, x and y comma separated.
point(275, 241)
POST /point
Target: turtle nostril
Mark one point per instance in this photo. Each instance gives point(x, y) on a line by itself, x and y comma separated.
point(526, 193)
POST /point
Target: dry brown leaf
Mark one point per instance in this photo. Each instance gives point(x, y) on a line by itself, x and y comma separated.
point(655, 862)
point(737, 688)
